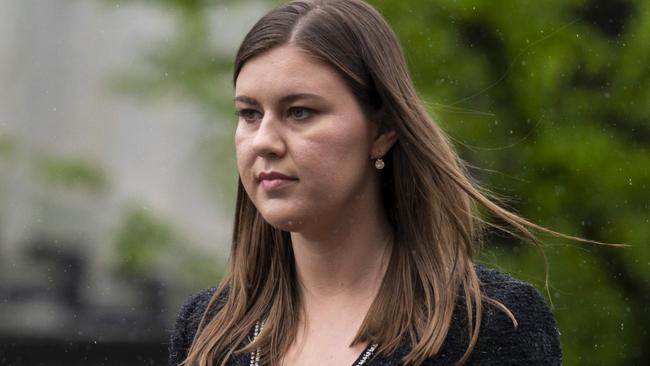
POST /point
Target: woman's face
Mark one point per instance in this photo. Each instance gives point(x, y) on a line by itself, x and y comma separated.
point(303, 143)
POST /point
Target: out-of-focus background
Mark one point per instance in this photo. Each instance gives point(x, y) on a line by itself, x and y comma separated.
point(117, 171)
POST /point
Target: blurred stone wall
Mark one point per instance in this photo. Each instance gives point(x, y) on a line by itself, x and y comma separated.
point(78, 160)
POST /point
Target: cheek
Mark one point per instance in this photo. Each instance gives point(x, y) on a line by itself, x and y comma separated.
point(334, 159)
point(244, 154)
point(348, 146)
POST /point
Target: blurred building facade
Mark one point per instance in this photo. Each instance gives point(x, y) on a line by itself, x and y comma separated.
point(85, 171)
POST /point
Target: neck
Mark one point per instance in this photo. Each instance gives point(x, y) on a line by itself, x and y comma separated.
point(347, 264)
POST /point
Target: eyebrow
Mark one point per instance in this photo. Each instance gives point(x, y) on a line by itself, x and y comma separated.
point(284, 100)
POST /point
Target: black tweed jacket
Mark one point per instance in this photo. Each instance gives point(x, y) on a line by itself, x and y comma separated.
point(536, 340)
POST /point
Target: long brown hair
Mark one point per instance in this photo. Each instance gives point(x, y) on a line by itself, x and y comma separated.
point(428, 197)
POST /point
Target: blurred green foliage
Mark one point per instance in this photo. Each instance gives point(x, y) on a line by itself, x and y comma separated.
point(7, 146)
point(139, 240)
point(548, 102)
point(71, 172)
point(147, 244)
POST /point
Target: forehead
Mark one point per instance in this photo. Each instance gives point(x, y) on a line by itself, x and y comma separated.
point(287, 69)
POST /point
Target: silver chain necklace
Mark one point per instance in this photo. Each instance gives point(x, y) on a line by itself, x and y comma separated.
point(255, 355)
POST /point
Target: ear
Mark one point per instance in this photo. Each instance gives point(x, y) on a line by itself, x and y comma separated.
point(383, 142)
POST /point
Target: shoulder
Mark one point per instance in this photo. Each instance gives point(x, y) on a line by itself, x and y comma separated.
point(187, 323)
point(534, 341)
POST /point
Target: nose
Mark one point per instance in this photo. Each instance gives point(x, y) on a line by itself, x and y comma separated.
point(268, 141)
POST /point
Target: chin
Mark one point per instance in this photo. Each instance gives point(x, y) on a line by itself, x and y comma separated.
point(284, 223)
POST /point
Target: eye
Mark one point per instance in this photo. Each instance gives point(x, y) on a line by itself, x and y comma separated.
point(249, 115)
point(299, 113)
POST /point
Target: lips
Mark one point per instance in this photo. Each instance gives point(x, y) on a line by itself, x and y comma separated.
point(272, 181)
point(273, 175)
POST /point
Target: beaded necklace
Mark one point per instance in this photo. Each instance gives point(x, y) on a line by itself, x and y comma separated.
point(255, 355)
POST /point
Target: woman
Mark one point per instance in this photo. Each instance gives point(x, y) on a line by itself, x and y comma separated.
point(354, 229)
